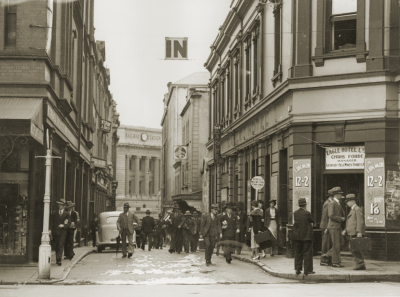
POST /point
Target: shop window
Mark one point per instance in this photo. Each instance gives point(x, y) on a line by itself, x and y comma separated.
point(344, 24)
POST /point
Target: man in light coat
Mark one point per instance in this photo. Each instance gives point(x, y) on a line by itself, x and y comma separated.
point(355, 228)
point(336, 217)
point(326, 238)
point(126, 224)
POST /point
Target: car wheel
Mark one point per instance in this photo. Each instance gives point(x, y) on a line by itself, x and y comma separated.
point(99, 249)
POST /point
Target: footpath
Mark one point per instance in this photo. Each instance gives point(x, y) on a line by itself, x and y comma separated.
point(27, 274)
point(283, 267)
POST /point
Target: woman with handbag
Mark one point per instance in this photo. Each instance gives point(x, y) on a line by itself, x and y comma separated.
point(273, 222)
point(255, 226)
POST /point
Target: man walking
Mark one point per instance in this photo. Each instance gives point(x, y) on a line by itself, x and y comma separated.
point(148, 226)
point(242, 220)
point(175, 222)
point(230, 227)
point(326, 239)
point(126, 224)
point(355, 227)
point(195, 238)
point(336, 217)
point(303, 239)
point(69, 240)
point(211, 231)
point(59, 223)
point(189, 228)
point(160, 230)
point(94, 227)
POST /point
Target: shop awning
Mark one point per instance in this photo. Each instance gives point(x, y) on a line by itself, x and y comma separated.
point(21, 117)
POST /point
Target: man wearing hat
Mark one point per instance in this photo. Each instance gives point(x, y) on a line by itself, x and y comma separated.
point(355, 227)
point(326, 239)
point(176, 231)
point(210, 230)
point(159, 234)
point(336, 217)
point(230, 227)
point(303, 238)
point(148, 226)
point(219, 216)
point(69, 240)
point(242, 221)
point(195, 238)
point(189, 229)
point(59, 223)
point(126, 224)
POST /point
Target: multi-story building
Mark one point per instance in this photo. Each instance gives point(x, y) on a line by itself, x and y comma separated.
point(305, 95)
point(53, 94)
point(184, 122)
point(139, 169)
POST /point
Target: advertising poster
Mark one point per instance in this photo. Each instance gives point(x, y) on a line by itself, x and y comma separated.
point(346, 157)
point(301, 182)
point(392, 196)
point(374, 192)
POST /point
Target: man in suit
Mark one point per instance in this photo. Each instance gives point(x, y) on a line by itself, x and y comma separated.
point(69, 240)
point(159, 232)
point(242, 220)
point(59, 224)
point(219, 216)
point(303, 237)
point(230, 227)
point(210, 230)
point(189, 228)
point(355, 227)
point(336, 217)
point(326, 238)
point(148, 226)
point(195, 238)
point(175, 222)
point(126, 224)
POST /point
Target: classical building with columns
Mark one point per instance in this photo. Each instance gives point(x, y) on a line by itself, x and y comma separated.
point(138, 169)
point(305, 94)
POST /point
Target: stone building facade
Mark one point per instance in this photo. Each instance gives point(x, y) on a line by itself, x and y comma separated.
point(184, 110)
point(139, 169)
point(52, 79)
point(305, 95)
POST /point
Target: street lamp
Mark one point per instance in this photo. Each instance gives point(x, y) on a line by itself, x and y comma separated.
point(45, 247)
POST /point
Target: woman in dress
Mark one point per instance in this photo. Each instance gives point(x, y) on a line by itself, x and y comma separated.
point(273, 222)
point(255, 226)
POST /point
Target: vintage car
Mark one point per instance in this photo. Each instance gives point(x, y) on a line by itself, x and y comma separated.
point(106, 236)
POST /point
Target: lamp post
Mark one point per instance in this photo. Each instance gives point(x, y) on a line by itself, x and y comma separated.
point(114, 186)
point(45, 248)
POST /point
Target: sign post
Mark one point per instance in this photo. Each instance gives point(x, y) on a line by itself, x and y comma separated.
point(374, 192)
point(257, 183)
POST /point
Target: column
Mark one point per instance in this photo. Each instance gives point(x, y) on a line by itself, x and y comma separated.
point(156, 175)
point(146, 176)
point(260, 169)
point(231, 176)
point(218, 183)
point(137, 175)
point(240, 177)
point(64, 172)
point(126, 176)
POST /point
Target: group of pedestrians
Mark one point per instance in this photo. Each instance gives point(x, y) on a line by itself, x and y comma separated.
point(337, 232)
point(63, 224)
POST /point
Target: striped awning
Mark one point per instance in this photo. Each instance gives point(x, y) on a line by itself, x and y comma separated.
point(21, 116)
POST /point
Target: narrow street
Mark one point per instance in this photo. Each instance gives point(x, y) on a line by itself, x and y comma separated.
point(161, 267)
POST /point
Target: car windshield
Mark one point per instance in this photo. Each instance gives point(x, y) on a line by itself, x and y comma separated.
point(111, 220)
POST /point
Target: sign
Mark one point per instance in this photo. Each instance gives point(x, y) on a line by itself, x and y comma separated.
point(61, 126)
point(345, 157)
point(257, 182)
point(176, 48)
point(140, 136)
point(37, 133)
point(301, 182)
point(374, 196)
point(100, 163)
point(105, 126)
point(180, 152)
point(217, 145)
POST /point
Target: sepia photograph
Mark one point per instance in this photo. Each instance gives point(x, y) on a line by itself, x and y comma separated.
point(199, 147)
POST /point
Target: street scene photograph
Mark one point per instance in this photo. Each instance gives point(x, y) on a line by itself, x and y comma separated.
point(199, 147)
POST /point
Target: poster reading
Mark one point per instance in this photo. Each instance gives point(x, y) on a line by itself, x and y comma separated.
point(374, 192)
point(301, 182)
point(345, 157)
point(392, 196)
